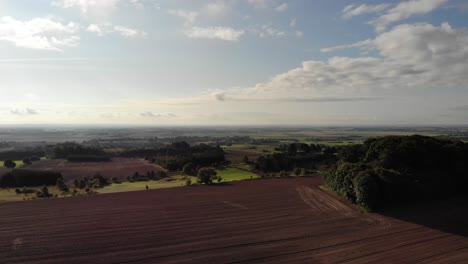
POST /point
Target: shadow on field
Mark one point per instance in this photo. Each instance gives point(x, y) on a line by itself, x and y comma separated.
point(450, 216)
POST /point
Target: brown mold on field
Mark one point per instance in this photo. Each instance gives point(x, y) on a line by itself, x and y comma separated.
point(258, 221)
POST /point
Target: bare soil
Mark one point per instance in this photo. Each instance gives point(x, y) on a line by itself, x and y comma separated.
point(257, 221)
point(4, 170)
point(120, 168)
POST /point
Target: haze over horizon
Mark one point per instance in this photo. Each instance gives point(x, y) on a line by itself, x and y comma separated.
point(233, 62)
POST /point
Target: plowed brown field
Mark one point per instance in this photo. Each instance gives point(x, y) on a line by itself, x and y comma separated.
point(259, 221)
point(119, 167)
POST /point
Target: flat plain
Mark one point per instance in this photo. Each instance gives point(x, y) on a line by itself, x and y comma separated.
point(287, 220)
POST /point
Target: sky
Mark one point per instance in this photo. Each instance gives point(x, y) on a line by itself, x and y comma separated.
point(234, 62)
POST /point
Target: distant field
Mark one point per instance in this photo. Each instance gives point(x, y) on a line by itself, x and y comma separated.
point(120, 168)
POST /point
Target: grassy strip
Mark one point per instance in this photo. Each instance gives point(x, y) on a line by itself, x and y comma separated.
point(19, 163)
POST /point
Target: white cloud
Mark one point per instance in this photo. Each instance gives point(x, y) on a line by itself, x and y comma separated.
point(89, 6)
point(293, 22)
point(221, 33)
point(260, 3)
point(107, 28)
point(414, 59)
point(361, 44)
point(129, 32)
point(405, 10)
point(27, 111)
point(156, 115)
point(351, 11)
point(299, 33)
point(97, 7)
point(271, 31)
point(39, 33)
point(282, 7)
point(98, 30)
point(210, 32)
point(216, 8)
point(188, 16)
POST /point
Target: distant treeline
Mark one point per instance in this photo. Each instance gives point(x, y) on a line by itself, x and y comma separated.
point(29, 178)
point(72, 149)
point(69, 150)
point(394, 169)
point(21, 154)
point(176, 155)
point(156, 142)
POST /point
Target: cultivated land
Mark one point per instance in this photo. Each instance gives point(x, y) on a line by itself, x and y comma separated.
point(120, 168)
point(259, 221)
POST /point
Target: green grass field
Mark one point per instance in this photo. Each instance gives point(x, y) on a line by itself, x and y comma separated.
point(229, 174)
point(235, 174)
point(173, 181)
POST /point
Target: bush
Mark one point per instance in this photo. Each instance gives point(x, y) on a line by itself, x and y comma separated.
point(9, 164)
point(188, 182)
point(27, 161)
point(44, 193)
point(61, 185)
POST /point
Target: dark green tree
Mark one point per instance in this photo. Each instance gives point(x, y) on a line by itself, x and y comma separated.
point(206, 175)
point(189, 169)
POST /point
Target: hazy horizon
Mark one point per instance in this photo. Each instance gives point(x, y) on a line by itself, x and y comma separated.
point(172, 63)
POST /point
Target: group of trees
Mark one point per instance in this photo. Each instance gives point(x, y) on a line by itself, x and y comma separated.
point(295, 155)
point(178, 154)
point(400, 168)
point(20, 178)
point(96, 181)
point(149, 176)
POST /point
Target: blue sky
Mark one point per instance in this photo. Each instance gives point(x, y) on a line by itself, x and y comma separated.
point(233, 62)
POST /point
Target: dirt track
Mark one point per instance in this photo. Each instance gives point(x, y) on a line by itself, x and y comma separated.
point(264, 221)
